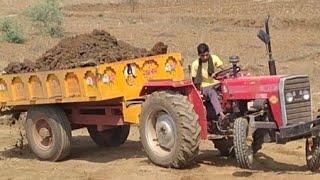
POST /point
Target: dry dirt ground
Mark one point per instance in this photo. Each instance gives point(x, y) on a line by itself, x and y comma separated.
point(229, 27)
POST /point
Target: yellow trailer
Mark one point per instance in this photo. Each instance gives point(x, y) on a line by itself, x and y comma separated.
point(102, 82)
point(123, 80)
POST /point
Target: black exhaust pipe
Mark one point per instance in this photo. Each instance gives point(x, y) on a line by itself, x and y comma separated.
point(271, 62)
point(272, 67)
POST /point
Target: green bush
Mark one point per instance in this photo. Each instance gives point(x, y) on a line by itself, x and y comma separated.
point(49, 16)
point(11, 31)
point(54, 31)
point(5, 24)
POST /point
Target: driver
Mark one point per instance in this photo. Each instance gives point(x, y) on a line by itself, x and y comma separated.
point(203, 74)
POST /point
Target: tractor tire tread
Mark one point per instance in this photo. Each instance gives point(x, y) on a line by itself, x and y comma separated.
point(190, 128)
point(240, 143)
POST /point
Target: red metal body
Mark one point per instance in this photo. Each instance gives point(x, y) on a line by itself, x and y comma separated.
point(250, 88)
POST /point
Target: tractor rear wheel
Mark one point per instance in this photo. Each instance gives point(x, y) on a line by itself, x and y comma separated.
point(48, 132)
point(169, 129)
point(313, 153)
point(242, 143)
point(111, 137)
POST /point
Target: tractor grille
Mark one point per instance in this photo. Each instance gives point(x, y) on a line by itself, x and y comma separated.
point(299, 110)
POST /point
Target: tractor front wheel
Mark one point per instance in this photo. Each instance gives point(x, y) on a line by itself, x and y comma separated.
point(169, 129)
point(313, 153)
point(242, 143)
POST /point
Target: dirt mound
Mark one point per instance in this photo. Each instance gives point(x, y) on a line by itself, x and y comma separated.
point(17, 67)
point(159, 48)
point(83, 50)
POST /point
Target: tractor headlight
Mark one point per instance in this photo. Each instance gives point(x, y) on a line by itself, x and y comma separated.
point(306, 95)
point(289, 97)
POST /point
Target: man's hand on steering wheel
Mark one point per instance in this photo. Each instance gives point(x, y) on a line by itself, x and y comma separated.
point(225, 73)
point(214, 75)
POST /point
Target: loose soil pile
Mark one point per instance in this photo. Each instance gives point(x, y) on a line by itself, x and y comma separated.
point(85, 50)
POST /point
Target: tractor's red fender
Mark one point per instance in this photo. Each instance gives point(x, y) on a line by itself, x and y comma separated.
point(185, 87)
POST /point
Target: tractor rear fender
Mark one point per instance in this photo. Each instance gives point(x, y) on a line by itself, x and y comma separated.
point(186, 88)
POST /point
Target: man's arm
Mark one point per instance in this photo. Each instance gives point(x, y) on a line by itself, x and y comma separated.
point(218, 63)
point(221, 68)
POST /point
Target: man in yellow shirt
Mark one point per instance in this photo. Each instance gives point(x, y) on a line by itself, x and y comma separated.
point(203, 73)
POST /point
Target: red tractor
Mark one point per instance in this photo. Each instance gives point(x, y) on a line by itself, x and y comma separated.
point(273, 108)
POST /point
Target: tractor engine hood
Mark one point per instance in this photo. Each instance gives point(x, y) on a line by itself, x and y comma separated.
point(250, 87)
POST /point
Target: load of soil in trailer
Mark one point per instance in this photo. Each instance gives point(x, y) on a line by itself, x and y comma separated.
point(85, 50)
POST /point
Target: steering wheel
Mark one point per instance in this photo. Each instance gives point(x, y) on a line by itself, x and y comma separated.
point(226, 73)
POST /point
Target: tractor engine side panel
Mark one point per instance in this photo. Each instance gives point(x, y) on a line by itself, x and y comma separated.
point(251, 88)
